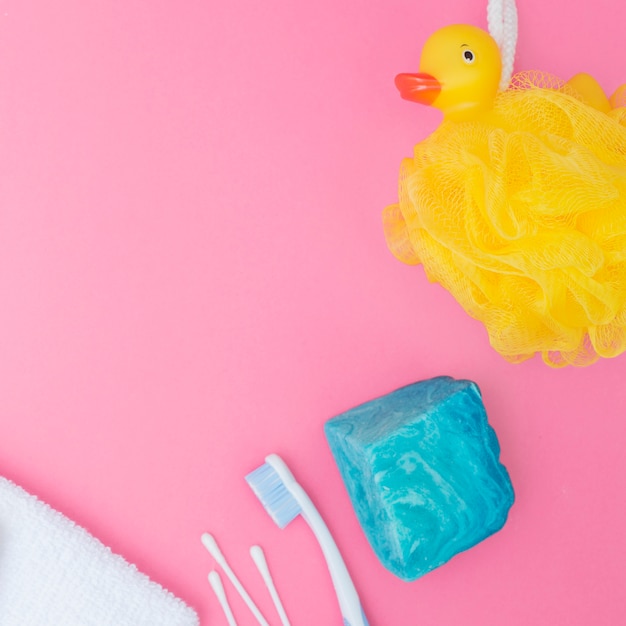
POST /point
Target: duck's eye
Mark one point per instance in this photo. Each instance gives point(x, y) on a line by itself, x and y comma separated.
point(468, 56)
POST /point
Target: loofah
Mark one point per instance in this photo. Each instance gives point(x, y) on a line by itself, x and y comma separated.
point(520, 213)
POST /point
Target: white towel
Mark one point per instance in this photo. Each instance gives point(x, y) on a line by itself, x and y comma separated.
point(54, 573)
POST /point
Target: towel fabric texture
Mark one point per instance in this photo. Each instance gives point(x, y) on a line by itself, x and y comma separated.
point(54, 573)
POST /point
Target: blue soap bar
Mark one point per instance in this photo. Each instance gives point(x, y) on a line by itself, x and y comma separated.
point(421, 466)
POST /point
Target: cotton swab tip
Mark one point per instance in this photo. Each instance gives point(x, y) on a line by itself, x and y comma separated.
point(259, 558)
point(208, 541)
point(216, 584)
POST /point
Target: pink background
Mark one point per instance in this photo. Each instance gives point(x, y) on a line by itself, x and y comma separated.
point(193, 275)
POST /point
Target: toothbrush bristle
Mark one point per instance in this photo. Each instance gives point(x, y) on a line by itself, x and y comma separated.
point(274, 496)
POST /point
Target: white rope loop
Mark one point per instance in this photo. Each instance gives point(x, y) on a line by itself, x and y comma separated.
point(502, 22)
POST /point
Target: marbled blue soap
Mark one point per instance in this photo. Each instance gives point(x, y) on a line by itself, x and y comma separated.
point(421, 466)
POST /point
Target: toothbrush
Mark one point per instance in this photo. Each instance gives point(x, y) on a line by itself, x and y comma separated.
point(256, 552)
point(218, 588)
point(211, 545)
point(284, 499)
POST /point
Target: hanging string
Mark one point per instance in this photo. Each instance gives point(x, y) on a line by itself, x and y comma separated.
point(502, 22)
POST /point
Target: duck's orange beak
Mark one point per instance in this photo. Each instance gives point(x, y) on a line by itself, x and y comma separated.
point(422, 88)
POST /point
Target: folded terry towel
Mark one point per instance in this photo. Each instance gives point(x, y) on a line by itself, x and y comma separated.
point(54, 573)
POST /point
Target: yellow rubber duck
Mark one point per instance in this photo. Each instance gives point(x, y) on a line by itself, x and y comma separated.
point(516, 204)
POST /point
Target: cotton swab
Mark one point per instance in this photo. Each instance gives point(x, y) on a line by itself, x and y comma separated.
point(211, 545)
point(218, 588)
point(258, 557)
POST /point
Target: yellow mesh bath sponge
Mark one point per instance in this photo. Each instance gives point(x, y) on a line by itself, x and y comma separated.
point(516, 204)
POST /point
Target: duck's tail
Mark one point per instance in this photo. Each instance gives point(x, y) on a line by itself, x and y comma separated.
point(590, 91)
point(618, 99)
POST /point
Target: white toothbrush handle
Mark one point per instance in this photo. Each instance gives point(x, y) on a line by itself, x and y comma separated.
point(347, 596)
